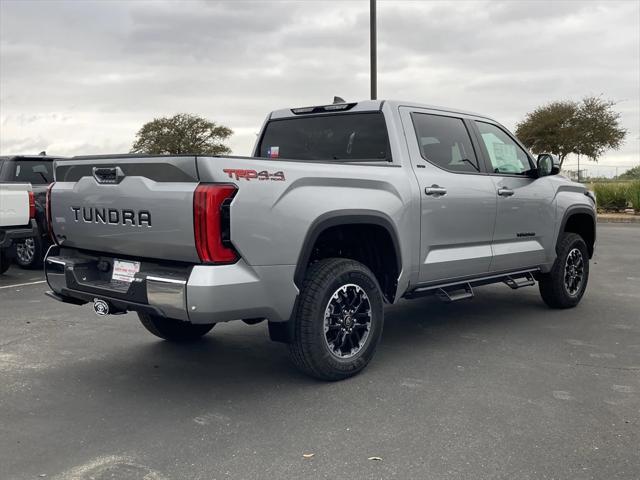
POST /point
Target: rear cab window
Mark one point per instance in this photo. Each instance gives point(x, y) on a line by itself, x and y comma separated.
point(346, 137)
point(33, 171)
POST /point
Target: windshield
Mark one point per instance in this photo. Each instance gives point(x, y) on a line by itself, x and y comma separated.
point(342, 137)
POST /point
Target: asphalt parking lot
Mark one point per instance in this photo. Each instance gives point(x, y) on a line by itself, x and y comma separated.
point(498, 387)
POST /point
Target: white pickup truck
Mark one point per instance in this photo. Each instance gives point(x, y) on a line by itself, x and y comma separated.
point(17, 218)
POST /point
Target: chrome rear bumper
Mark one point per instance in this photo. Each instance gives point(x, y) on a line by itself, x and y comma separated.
point(155, 289)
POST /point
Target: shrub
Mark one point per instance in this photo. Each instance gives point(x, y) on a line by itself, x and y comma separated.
point(631, 174)
point(633, 194)
point(611, 196)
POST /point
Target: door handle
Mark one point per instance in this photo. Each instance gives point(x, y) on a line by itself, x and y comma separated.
point(435, 190)
point(505, 192)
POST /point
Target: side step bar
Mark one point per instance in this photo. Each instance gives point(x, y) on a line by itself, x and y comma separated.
point(455, 293)
point(525, 280)
point(462, 290)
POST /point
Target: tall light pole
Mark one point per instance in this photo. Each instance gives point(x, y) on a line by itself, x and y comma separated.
point(578, 168)
point(373, 49)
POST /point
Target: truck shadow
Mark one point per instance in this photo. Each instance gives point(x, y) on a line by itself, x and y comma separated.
point(236, 357)
point(430, 320)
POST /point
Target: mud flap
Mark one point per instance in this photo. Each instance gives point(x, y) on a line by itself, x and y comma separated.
point(281, 331)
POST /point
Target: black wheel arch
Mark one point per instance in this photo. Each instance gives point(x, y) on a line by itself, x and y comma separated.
point(574, 219)
point(344, 218)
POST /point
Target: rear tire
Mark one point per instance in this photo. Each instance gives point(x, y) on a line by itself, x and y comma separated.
point(173, 330)
point(29, 252)
point(565, 284)
point(338, 320)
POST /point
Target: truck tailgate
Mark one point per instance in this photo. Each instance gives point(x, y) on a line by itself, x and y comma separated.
point(14, 204)
point(127, 206)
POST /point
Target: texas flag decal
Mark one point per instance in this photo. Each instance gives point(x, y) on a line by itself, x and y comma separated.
point(273, 152)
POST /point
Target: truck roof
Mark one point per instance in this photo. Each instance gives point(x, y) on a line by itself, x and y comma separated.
point(30, 157)
point(364, 106)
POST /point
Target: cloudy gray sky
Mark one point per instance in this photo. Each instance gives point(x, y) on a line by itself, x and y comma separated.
point(83, 76)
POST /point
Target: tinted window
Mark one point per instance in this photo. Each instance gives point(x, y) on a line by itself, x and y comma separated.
point(34, 172)
point(505, 154)
point(445, 142)
point(347, 137)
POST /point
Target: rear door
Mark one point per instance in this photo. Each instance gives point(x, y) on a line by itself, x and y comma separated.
point(525, 205)
point(458, 201)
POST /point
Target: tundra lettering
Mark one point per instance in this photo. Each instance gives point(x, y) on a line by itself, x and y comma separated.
point(112, 216)
point(382, 201)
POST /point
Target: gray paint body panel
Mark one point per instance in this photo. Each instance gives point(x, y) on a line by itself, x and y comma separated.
point(219, 293)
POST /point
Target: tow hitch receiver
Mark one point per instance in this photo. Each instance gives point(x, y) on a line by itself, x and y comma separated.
point(100, 307)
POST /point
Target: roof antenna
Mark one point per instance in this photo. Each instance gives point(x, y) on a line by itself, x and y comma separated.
point(338, 100)
point(43, 153)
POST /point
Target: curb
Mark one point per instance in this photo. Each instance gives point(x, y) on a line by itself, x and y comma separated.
point(608, 218)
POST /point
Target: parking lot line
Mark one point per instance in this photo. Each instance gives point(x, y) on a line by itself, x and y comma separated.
point(22, 284)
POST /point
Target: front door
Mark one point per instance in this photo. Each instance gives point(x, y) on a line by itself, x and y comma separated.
point(458, 199)
point(526, 210)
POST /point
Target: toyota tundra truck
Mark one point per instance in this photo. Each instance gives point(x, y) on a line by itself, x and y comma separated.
point(17, 218)
point(38, 171)
point(342, 208)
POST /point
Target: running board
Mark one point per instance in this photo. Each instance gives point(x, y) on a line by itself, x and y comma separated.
point(525, 280)
point(455, 293)
point(463, 289)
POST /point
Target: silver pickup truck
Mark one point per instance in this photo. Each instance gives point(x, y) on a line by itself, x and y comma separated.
point(342, 208)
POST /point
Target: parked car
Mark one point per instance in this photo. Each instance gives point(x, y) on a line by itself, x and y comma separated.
point(38, 171)
point(343, 208)
point(17, 212)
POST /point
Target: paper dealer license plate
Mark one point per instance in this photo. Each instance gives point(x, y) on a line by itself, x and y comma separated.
point(124, 271)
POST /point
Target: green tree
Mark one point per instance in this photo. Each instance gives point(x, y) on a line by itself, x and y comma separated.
point(631, 174)
point(182, 134)
point(589, 127)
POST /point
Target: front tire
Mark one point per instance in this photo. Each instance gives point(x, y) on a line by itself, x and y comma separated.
point(565, 284)
point(173, 330)
point(338, 321)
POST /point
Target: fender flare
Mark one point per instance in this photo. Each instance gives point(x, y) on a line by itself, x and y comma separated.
point(343, 217)
point(572, 210)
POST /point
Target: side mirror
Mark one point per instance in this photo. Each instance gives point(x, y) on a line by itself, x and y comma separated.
point(548, 164)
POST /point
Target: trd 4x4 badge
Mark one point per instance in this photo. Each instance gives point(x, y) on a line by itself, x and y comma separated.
point(241, 174)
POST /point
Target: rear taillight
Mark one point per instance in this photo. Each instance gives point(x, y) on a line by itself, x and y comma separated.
point(48, 213)
point(32, 205)
point(212, 222)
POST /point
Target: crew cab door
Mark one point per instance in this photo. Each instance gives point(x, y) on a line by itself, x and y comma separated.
point(458, 200)
point(525, 204)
